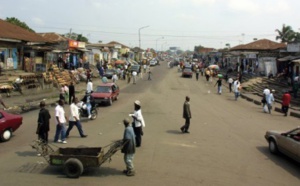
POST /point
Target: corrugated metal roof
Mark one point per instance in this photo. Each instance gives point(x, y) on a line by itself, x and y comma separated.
point(11, 31)
point(263, 44)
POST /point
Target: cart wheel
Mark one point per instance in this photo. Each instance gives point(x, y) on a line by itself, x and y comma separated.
point(73, 168)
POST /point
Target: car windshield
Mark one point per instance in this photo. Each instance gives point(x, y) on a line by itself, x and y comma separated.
point(187, 70)
point(104, 89)
point(110, 71)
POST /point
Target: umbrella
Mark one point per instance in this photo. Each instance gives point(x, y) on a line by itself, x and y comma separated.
point(119, 62)
point(214, 67)
point(220, 75)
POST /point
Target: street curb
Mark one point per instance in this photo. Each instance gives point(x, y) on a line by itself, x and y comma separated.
point(294, 114)
point(278, 109)
point(256, 102)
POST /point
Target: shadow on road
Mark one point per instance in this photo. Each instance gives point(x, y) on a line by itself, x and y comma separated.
point(281, 160)
point(27, 153)
point(174, 131)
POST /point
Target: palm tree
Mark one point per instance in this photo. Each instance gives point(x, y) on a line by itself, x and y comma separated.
point(286, 34)
point(297, 37)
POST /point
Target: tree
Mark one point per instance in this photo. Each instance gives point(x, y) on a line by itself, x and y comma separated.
point(286, 34)
point(19, 23)
point(197, 48)
point(77, 37)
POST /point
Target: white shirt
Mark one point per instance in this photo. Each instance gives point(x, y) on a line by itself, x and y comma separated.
point(89, 87)
point(115, 77)
point(60, 113)
point(236, 86)
point(139, 116)
point(134, 73)
point(230, 80)
point(74, 112)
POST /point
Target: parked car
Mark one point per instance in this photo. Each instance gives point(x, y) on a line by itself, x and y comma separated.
point(153, 62)
point(106, 93)
point(187, 72)
point(109, 73)
point(287, 143)
point(9, 123)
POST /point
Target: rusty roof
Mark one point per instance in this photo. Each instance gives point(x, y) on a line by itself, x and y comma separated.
point(117, 43)
point(53, 37)
point(205, 50)
point(11, 31)
point(262, 44)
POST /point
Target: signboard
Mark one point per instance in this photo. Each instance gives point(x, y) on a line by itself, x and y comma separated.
point(118, 46)
point(73, 44)
point(293, 47)
point(81, 44)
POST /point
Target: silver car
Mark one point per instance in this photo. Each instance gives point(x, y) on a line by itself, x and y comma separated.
point(287, 143)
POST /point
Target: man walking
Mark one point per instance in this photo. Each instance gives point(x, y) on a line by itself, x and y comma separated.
point(236, 89)
point(149, 74)
point(61, 121)
point(74, 119)
point(43, 123)
point(134, 74)
point(89, 86)
point(197, 74)
point(270, 99)
point(187, 115)
point(71, 92)
point(128, 148)
point(219, 83)
point(286, 99)
point(230, 81)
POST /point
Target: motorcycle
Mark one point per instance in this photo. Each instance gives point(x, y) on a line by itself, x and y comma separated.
point(84, 113)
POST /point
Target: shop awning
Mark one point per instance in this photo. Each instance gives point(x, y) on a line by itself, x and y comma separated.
point(296, 61)
point(83, 49)
point(288, 58)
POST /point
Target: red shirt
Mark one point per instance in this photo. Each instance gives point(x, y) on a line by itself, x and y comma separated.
point(286, 99)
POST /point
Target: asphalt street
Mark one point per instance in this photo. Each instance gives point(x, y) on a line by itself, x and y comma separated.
point(226, 145)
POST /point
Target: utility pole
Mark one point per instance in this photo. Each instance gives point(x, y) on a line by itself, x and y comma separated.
point(70, 33)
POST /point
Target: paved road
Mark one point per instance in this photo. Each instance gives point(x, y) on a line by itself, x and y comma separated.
point(226, 145)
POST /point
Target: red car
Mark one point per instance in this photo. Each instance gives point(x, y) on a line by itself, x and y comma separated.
point(8, 124)
point(106, 93)
point(187, 72)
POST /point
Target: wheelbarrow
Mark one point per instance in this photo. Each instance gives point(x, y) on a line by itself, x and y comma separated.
point(75, 160)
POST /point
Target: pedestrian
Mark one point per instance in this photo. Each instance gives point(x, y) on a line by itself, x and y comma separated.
point(128, 74)
point(187, 115)
point(61, 120)
point(219, 83)
point(71, 92)
point(295, 88)
point(114, 78)
point(74, 119)
point(89, 101)
point(145, 68)
point(149, 74)
point(270, 99)
point(2, 103)
point(88, 75)
point(207, 74)
point(43, 123)
point(66, 89)
point(286, 99)
point(197, 74)
point(89, 86)
point(230, 81)
point(138, 123)
point(266, 93)
point(134, 74)
point(128, 148)
point(236, 89)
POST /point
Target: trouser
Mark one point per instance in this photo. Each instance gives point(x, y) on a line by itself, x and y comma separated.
point(219, 89)
point(230, 85)
point(134, 79)
point(138, 135)
point(285, 109)
point(71, 97)
point(88, 108)
point(149, 76)
point(207, 77)
point(236, 95)
point(43, 136)
point(60, 132)
point(197, 76)
point(128, 159)
point(78, 125)
point(186, 126)
point(269, 107)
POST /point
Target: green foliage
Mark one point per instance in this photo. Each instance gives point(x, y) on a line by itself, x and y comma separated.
point(286, 34)
point(77, 37)
point(19, 23)
point(197, 48)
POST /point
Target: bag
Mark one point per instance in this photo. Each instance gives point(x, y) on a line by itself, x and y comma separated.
point(264, 101)
point(265, 109)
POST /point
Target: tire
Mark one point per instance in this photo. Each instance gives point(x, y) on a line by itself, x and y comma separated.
point(73, 168)
point(94, 114)
point(110, 102)
point(6, 135)
point(273, 147)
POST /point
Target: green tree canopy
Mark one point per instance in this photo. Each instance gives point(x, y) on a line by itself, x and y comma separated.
point(286, 34)
point(19, 23)
point(77, 37)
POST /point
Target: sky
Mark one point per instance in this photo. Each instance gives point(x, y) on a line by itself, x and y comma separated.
point(171, 23)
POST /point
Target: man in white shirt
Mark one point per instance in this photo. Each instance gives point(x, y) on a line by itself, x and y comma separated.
point(134, 74)
point(114, 78)
point(236, 89)
point(230, 81)
point(61, 121)
point(89, 86)
point(74, 119)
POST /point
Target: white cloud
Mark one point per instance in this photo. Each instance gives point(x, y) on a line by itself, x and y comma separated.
point(277, 7)
point(203, 2)
point(38, 21)
point(249, 6)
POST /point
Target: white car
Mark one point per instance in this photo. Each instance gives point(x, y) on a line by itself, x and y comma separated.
point(153, 63)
